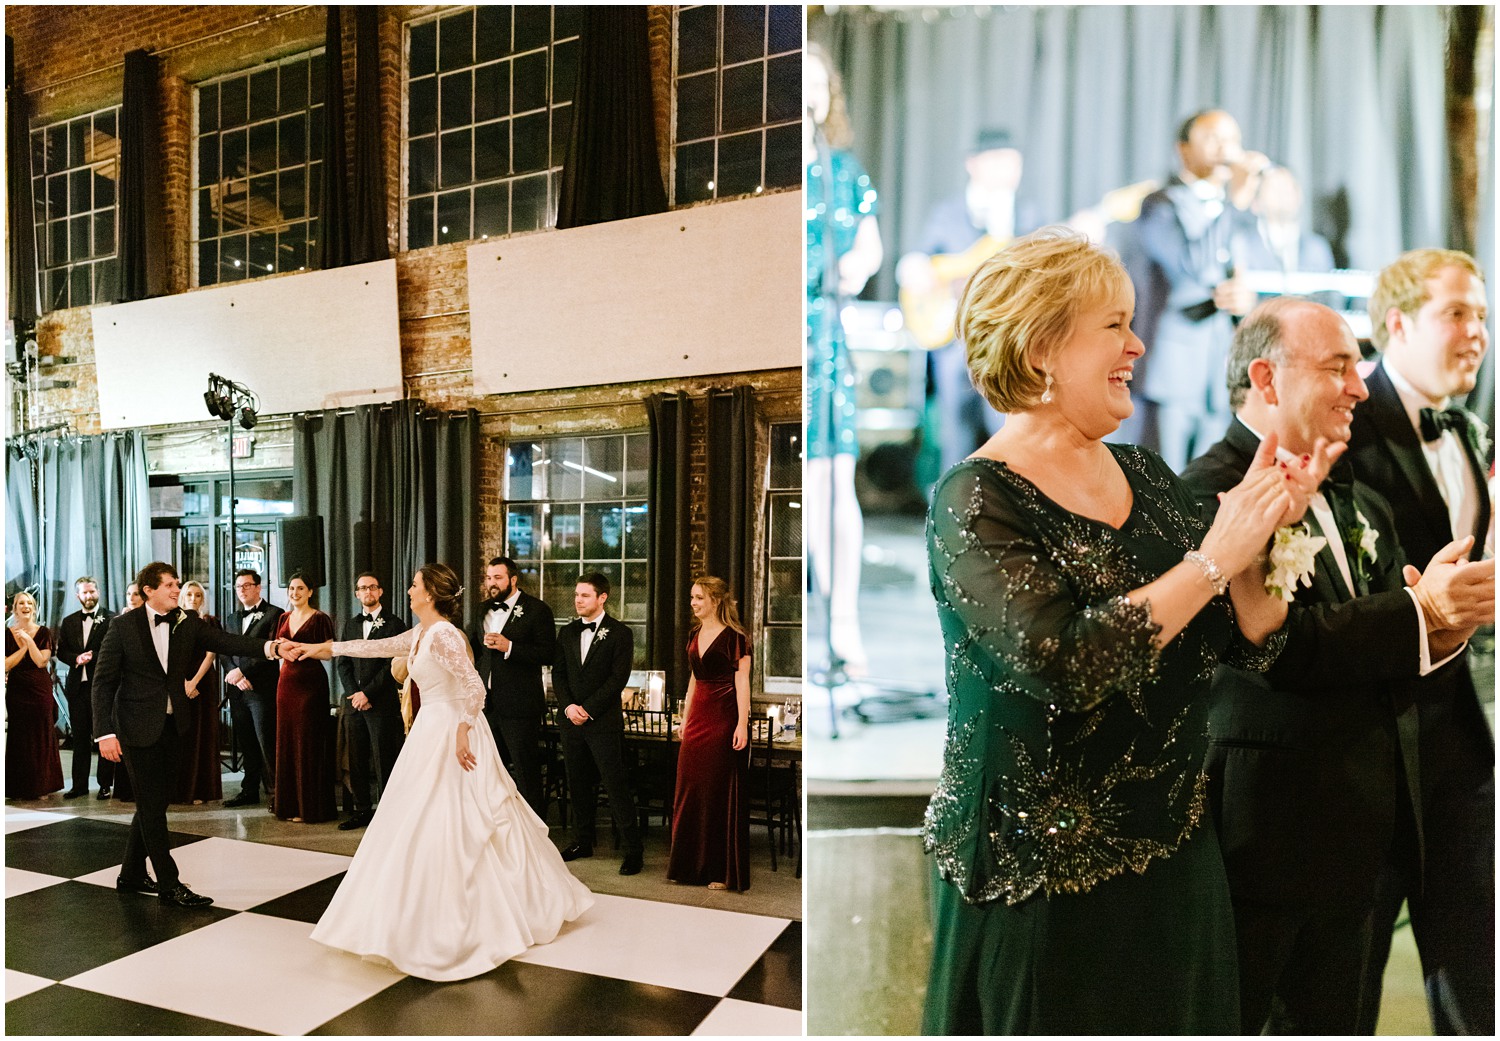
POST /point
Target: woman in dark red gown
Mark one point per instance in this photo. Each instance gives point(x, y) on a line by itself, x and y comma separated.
point(33, 765)
point(199, 776)
point(710, 829)
point(304, 733)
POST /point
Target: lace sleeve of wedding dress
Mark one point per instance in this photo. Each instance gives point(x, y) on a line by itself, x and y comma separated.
point(398, 646)
point(451, 651)
point(1015, 612)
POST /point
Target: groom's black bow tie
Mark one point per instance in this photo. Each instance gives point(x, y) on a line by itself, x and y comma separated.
point(367, 618)
point(1434, 421)
point(496, 605)
point(590, 626)
point(161, 619)
point(91, 616)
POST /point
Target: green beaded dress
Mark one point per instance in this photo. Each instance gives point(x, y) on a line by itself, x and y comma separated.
point(1080, 888)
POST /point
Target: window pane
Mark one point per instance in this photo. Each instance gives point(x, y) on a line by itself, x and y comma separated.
point(522, 458)
point(695, 172)
point(491, 91)
point(637, 531)
point(291, 248)
point(79, 237)
point(784, 157)
point(744, 92)
point(564, 533)
point(528, 204)
point(456, 41)
point(262, 147)
point(104, 232)
point(421, 107)
point(635, 594)
point(263, 95)
point(80, 285)
point(453, 216)
point(786, 524)
point(80, 191)
point(785, 28)
point(293, 193)
point(492, 28)
point(533, 27)
point(293, 140)
point(562, 126)
point(457, 158)
point(697, 39)
point(232, 252)
point(261, 207)
point(208, 108)
point(491, 209)
point(638, 465)
point(744, 33)
point(421, 166)
point(565, 71)
point(208, 159)
point(567, 20)
point(457, 91)
point(695, 106)
point(233, 146)
point(739, 164)
point(419, 223)
point(530, 87)
point(107, 280)
point(208, 262)
point(783, 652)
point(422, 49)
point(557, 585)
point(786, 455)
point(262, 253)
point(523, 532)
point(603, 465)
point(491, 150)
point(603, 531)
point(564, 468)
point(294, 87)
point(78, 132)
point(234, 96)
point(57, 148)
point(784, 603)
point(784, 88)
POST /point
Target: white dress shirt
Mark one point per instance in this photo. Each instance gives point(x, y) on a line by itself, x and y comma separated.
point(586, 638)
point(1446, 458)
point(495, 619)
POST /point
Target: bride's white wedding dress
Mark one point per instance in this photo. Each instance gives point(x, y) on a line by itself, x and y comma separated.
point(455, 874)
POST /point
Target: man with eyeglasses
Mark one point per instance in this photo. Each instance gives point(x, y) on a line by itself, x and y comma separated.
point(371, 713)
point(251, 684)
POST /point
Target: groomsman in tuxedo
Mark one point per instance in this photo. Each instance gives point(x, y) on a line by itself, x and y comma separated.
point(79, 638)
point(514, 637)
point(1313, 764)
point(1431, 458)
point(589, 672)
point(251, 683)
point(373, 715)
point(141, 712)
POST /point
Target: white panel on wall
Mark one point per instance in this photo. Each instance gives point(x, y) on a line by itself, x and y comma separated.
point(689, 293)
point(320, 339)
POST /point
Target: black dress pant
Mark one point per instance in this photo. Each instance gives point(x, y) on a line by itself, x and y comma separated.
point(81, 719)
point(254, 717)
point(375, 739)
point(592, 754)
point(1300, 968)
point(520, 737)
point(152, 769)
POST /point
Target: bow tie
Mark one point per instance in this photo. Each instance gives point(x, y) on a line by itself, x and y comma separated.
point(1433, 421)
point(247, 612)
point(367, 618)
point(590, 626)
point(91, 616)
point(161, 619)
point(1340, 479)
point(496, 605)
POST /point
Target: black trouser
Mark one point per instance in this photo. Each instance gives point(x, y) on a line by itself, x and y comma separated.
point(152, 769)
point(81, 719)
point(375, 739)
point(521, 737)
point(592, 754)
point(254, 716)
point(1300, 968)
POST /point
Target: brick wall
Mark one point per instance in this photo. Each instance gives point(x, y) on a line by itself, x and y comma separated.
point(68, 58)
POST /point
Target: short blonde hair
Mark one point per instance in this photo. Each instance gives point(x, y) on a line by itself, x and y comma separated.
point(1403, 285)
point(1022, 304)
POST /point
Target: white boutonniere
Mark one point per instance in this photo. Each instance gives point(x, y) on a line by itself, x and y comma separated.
point(1363, 537)
point(1481, 432)
point(254, 618)
point(516, 612)
point(1292, 551)
point(600, 635)
point(181, 614)
point(376, 624)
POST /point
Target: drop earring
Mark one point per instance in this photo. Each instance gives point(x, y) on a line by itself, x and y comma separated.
point(1047, 391)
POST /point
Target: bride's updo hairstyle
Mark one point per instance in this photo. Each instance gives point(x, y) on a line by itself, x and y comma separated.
point(1022, 304)
point(444, 588)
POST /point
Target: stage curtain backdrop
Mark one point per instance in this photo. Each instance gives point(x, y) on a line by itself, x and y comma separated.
point(671, 550)
point(143, 229)
point(20, 215)
point(612, 170)
point(368, 240)
point(395, 488)
point(1350, 98)
point(76, 506)
point(333, 198)
point(733, 493)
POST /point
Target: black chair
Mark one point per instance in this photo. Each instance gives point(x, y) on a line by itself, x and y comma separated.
point(554, 772)
point(651, 754)
point(775, 794)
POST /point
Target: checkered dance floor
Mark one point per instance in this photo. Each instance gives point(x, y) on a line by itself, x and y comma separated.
point(83, 959)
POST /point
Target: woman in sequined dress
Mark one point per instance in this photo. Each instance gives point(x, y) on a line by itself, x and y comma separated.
point(843, 244)
point(1084, 607)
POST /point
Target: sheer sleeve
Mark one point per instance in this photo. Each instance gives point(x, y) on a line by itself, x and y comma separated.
point(1048, 617)
point(449, 648)
point(398, 646)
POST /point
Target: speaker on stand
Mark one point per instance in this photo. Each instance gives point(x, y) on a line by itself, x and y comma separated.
point(301, 541)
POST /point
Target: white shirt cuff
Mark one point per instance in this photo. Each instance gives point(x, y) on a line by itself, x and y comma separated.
point(106, 737)
point(1425, 664)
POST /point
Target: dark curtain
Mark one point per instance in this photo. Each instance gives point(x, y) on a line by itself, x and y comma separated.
point(393, 485)
point(612, 170)
point(77, 506)
point(20, 213)
point(143, 230)
point(367, 225)
point(1350, 98)
point(333, 199)
point(732, 492)
point(671, 550)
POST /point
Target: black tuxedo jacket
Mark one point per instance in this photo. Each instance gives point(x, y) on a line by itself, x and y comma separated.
point(1306, 760)
point(371, 675)
point(515, 683)
point(130, 688)
point(596, 683)
point(262, 674)
point(70, 645)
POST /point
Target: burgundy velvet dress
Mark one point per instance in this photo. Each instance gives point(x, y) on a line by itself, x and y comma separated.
point(33, 765)
point(710, 829)
point(305, 735)
point(199, 777)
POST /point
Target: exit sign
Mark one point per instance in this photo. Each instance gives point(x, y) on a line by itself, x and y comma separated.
point(242, 447)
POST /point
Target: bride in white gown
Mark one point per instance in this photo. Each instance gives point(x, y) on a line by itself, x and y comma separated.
point(455, 874)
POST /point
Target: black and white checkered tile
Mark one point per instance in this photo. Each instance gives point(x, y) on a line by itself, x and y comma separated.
point(81, 958)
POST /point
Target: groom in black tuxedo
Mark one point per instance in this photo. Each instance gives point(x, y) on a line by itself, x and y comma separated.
point(372, 713)
point(1431, 459)
point(141, 709)
point(79, 639)
point(1312, 764)
point(514, 637)
point(590, 670)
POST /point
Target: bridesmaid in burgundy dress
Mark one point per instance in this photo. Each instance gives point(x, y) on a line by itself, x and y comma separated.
point(710, 829)
point(199, 778)
point(33, 765)
point(304, 734)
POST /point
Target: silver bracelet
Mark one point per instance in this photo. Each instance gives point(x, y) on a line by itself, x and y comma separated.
point(1211, 570)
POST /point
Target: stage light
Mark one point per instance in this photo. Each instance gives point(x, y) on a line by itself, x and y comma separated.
point(248, 418)
point(212, 401)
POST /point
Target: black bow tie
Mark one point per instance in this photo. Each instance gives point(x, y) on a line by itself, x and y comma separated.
point(1340, 479)
point(590, 626)
point(1433, 421)
point(367, 618)
point(161, 619)
point(247, 611)
point(91, 616)
point(496, 605)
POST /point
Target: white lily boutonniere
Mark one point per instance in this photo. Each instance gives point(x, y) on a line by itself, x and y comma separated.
point(517, 612)
point(255, 617)
point(181, 614)
point(376, 624)
point(1293, 549)
point(1362, 536)
point(601, 634)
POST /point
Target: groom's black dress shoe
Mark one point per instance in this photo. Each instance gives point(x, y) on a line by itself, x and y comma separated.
point(182, 896)
point(104, 793)
point(577, 851)
point(146, 886)
point(73, 793)
point(631, 864)
point(243, 799)
point(359, 820)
